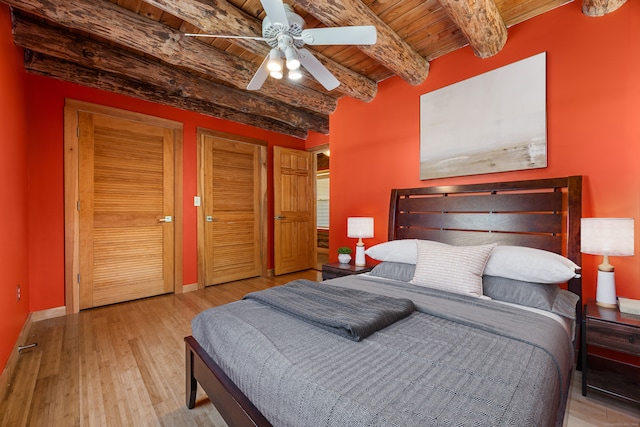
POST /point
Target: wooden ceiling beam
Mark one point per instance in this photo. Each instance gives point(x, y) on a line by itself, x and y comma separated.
point(390, 49)
point(126, 28)
point(223, 18)
point(39, 37)
point(40, 64)
point(480, 22)
point(600, 7)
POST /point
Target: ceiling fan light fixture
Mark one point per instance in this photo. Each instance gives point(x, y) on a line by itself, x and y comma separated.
point(293, 61)
point(275, 60)
point(276, 74)
point(284, 31)
point(295, 74)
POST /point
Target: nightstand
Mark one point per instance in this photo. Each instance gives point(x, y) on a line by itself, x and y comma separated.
point(619, 333)
point(331, 271)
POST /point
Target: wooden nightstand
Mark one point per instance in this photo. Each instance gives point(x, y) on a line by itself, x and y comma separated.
point(617, 332)
point(331, 271)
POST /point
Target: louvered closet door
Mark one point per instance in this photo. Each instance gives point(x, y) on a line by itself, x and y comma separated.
point(126, 210)
point(232, 204)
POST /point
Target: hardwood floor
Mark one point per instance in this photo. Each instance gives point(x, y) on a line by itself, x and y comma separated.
point(124, 365)
point(598, 410)
point(321, 258)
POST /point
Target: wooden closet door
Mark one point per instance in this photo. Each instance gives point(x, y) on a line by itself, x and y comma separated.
point(232, 203)
point(126, 210)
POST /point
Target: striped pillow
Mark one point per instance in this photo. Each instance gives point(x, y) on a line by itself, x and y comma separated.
point(449, 268)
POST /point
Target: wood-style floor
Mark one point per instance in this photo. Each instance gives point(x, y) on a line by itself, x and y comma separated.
point(124, 365)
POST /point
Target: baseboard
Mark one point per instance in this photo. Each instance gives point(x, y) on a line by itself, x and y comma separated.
point(36, 316)
point(9, 368)
point(190, 288)
point(50, 313)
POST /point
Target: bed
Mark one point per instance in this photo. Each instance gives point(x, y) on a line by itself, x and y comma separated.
point(456, 358)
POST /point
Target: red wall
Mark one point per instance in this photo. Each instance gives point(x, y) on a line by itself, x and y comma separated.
point(315, 139)
point(13, 192)
point(593, 126)
point(45, 100)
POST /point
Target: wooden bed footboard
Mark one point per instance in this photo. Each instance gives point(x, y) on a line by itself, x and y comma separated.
point(229, 400)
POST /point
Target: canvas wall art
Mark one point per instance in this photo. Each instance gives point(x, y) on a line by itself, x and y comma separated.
point(494, 122)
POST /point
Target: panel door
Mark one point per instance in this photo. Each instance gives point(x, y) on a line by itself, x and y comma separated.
point(231, 203)
point(125, 210)
point(294, 210)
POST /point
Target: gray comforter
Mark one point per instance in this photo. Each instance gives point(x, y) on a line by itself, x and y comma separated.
point(456, 361)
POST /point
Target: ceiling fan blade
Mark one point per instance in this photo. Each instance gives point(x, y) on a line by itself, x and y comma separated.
point(317, 70)
point(275, 11)
point(357, 35)
point(225, 37)
point(260, 76)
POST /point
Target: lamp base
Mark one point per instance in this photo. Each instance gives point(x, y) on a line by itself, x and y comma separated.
point(606, 290)
point(360, 261)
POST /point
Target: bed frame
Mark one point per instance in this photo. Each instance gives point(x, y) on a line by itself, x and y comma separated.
point(543, 214)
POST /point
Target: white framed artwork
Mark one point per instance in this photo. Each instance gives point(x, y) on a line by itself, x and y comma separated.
point(494, 122)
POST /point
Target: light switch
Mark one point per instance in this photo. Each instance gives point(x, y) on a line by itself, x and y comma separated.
point(196, 201)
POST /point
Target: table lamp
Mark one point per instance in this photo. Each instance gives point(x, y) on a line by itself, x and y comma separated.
point(607, 237)
point(360, 228)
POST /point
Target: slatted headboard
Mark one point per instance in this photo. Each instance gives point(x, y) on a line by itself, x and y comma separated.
point(542, 213)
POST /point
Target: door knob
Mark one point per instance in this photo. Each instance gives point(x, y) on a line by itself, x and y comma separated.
point(167, 218)
point(280, 217)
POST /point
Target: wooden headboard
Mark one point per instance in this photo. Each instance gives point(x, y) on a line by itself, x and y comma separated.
point(542, 213)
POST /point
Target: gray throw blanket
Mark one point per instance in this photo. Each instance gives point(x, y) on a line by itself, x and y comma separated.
point(349, 313)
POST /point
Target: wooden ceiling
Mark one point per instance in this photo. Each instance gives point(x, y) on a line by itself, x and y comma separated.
point(138, 48)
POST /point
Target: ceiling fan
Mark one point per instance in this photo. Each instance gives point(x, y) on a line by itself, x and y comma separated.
point(284, 31)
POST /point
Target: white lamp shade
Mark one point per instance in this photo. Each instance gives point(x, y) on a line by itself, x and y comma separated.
point(275, 60)
point(607, 236)
point(359, 227)
point(293, 62)
point(294, 74)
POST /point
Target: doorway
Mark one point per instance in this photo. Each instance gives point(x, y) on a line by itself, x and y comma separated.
point(322, 207)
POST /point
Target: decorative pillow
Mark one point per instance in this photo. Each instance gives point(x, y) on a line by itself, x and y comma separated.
point(530, 265)
point(451, 268)
point(565, 304)
point(549, 297)
point(394, 270)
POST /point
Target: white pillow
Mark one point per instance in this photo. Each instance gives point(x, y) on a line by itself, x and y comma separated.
point(451, 268)
point(403, 250)
point(530, 265)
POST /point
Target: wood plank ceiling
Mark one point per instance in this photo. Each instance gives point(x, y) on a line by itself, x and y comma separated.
point(138, 48)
